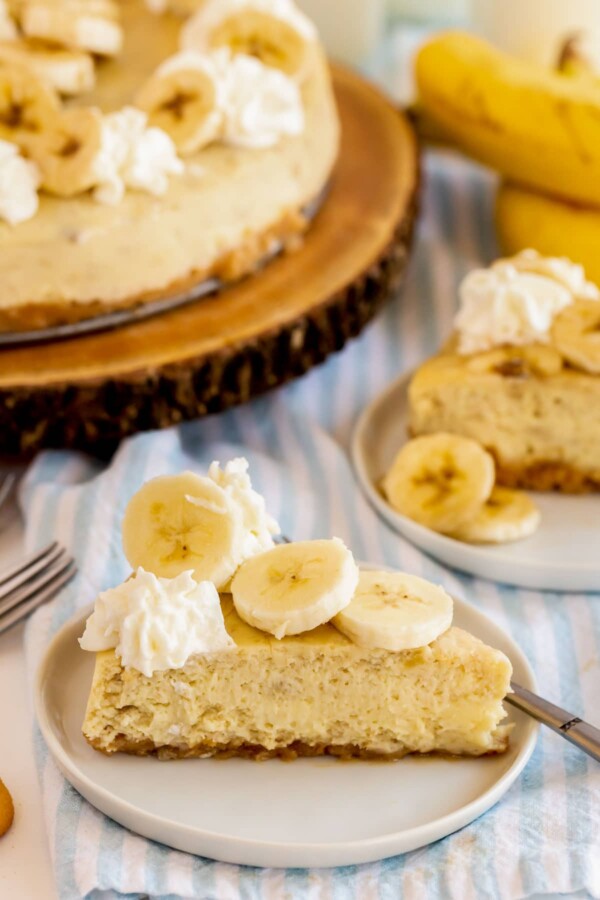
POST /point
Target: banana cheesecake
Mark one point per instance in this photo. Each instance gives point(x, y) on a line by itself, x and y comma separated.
point(300, 653)
point(145, 150)
point(520, 376)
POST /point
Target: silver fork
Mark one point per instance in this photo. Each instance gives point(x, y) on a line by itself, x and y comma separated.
point(32, 582)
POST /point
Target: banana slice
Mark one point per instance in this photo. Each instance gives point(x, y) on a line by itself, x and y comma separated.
point(295, 587)
point(440, 480)
point(505, 516)
point(395, 611)
point(8, 27)
point(180, 522)
point(70, 72)
point(575, 333)
point(518, 362)
point(91, 25)
point(28, 107)
point(273, 31)
point(67, 152)
point(182, 98)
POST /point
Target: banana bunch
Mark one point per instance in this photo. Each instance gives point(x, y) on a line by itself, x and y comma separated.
point(70, 72)
point(536, 127)
point(273, 31)
point(90, 25)
point(540, 129)
point(446, 483)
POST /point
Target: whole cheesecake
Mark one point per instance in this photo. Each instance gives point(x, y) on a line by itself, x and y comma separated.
point(228, 209)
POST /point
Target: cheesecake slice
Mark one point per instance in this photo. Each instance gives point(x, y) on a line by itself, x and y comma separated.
point(525, 405)
point(308, 694)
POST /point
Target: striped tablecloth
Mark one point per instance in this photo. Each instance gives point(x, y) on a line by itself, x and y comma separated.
point(544, 836)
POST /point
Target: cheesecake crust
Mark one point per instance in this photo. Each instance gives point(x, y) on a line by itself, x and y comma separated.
point(548, 476)
point(258, 753)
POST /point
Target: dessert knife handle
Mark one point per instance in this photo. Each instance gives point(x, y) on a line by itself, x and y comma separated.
point(574, 729)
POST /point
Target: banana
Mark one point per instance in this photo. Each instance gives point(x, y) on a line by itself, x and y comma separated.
point(295, 587)
point(534, 126)
point(575, 333)
point(440, 480)
point(91, 25)
point(69, 72)
point(182, 98)
point(526, 218)
point(68, 150)
point(184, 522)
point(395, 611)
point(506, 515)
point(274, 31)
point(28, 107)
point(8, 27)
point(538, 360)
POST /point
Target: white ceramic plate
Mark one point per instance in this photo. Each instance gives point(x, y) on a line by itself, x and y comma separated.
point(562, 555)
point(312, 812)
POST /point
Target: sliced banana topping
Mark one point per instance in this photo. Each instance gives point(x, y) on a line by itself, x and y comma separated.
point(507, 515)
point(91, 25)
point(66, 153)
point(182, 98)
point(537, 360)
point(70, 72)
point(440, 480)
point(273, 31)
point(180, 522)
point(295, 587)
point(576, 334)
point(28, 107)
point(395, 611)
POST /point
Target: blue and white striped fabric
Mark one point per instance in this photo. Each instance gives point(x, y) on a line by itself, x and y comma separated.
point(544, 836)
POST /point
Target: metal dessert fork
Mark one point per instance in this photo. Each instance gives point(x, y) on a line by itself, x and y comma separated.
point(570, 727)
point(33, 581)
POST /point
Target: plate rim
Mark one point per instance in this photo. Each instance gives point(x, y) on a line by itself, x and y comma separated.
point(404, 525)
point(373, 848)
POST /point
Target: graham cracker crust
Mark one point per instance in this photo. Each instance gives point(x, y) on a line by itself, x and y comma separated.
point(547, 476)
point(258, 753)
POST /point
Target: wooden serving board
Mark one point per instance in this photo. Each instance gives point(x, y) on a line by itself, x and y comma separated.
point(91, 391)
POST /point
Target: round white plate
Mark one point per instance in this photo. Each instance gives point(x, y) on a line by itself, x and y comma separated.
point(562, 555)
point(311, 812)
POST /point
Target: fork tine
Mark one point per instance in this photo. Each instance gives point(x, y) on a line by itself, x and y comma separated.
point(43, 596)
point(24, 564)
point(25, 590)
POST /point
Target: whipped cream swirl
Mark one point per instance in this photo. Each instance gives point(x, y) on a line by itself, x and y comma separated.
point(157, 623)
point(258, 526)
point(132, 155)
point(19, 180)
point(260, 105)
point(515, 301)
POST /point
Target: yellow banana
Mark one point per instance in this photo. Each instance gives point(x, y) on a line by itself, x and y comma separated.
point(536, 127)
point(528, 219)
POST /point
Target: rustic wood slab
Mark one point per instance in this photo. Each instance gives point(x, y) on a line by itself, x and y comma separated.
point(91, 391)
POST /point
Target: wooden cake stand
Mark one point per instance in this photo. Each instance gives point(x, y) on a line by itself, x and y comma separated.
point(91, 391)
